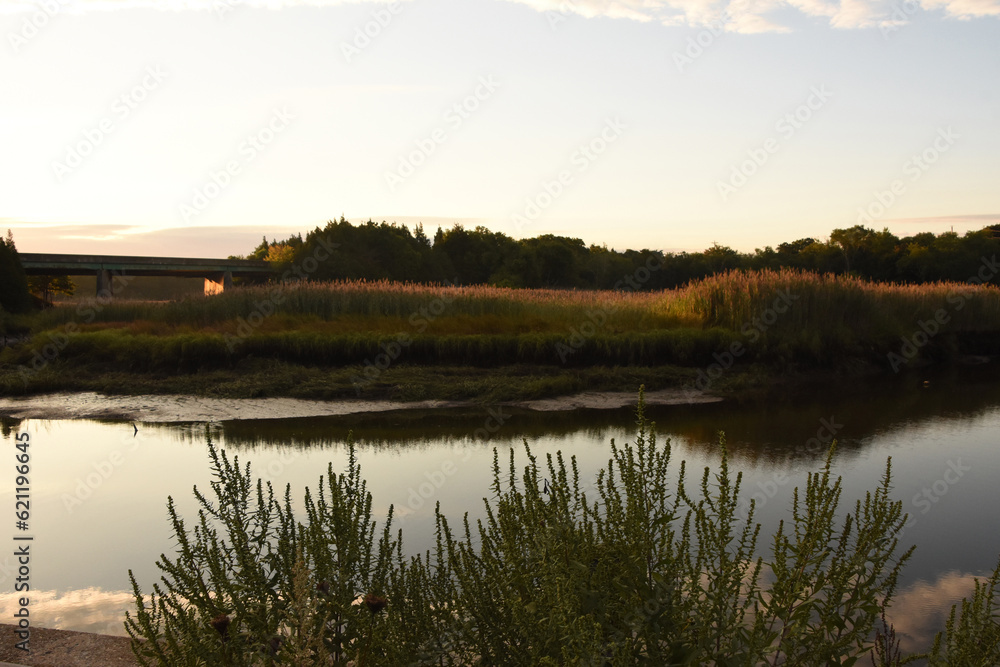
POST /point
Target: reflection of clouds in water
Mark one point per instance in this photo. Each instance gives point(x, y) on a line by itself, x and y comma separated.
point(920, 611)
point(83, 610)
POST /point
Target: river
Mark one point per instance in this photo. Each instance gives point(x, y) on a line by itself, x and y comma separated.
point(99, 487)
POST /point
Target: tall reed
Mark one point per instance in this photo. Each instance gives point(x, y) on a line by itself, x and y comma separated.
point(784, 316)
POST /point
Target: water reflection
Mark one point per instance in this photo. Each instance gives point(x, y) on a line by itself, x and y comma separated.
point(99, 489)
point(918, 613)
point(759, 433)
point(83, 610)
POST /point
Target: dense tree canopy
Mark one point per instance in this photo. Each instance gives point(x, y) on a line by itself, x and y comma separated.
point(46, 287)
point(479, 256)
point(14, 296)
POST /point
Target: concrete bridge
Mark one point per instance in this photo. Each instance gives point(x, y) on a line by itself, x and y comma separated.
point(218, 273)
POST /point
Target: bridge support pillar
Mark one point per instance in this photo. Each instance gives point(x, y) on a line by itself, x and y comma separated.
point(219, 283)
point(106, 282)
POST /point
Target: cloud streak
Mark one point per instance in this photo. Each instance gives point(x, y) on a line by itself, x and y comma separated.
point(750, 16)
point(740, 16)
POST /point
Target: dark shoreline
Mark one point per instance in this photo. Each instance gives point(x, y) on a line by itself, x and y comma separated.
point(305, 391)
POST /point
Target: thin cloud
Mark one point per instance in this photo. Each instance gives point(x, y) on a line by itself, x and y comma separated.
point(79, 6)
point(749, 16)
point(980, 219)
point(740, 16)
point(965, 9)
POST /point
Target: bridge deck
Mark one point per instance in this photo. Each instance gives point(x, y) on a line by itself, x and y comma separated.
point(218, 273)
point(86, 265)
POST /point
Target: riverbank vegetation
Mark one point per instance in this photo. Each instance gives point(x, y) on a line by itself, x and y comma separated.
point(372, 339)
point(633, 568)
point(333, 335)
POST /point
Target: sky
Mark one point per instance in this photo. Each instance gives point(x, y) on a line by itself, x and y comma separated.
point(192, 128)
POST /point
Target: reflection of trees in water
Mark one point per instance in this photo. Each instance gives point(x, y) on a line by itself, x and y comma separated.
point(417, 429)
point(9, 425)
point(761, 432)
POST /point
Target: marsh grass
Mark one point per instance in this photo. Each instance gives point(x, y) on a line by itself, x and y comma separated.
point(727, 300)
point(823, 301)
point(371, 299)
point(824, 321)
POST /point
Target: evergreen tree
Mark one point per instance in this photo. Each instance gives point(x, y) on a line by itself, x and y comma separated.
point(14, 295)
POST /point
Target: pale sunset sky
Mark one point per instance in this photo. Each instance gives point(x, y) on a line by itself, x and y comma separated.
point(191, 128)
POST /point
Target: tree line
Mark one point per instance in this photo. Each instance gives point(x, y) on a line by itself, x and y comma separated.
point(374, 251)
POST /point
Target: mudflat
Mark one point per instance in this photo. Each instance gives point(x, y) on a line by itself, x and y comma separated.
point(183, 408)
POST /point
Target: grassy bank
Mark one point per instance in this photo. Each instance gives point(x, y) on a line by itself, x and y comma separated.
point(379, 339)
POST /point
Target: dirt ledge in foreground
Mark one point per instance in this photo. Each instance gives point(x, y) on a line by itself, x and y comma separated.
point(66, 648)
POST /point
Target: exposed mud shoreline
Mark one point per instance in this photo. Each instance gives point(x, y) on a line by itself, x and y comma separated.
point(66, 648)
point(180, 408)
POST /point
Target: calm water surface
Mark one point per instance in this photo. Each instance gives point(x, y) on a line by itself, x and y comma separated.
point(99, 491)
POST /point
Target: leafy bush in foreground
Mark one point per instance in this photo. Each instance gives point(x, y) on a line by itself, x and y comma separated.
point(632, 570)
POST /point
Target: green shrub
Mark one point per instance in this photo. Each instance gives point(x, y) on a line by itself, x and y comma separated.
point(631, 570)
